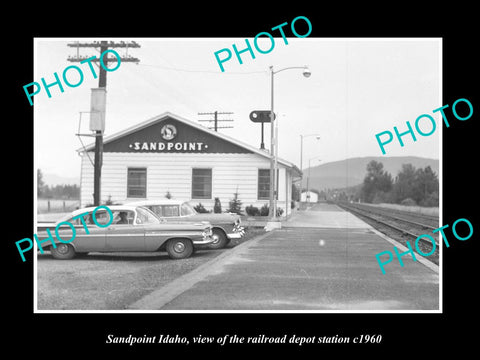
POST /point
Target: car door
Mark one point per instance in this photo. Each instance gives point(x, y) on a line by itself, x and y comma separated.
point(93, 241)
point(88, 236)
point(126, 233)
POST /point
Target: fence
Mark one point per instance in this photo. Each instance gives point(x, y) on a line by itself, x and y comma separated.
point(57, 205)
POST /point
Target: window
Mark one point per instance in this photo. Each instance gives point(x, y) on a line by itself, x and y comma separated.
point(187, 210)
point(264, 184)
point(144, 216)
point(137, 183)
point(123, 217)
point(170, 210)
point(102, 217)
point(156, 209)
point(201, 183)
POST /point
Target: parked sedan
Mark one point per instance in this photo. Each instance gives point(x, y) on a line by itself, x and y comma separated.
point(132, 228)
point(225, 226)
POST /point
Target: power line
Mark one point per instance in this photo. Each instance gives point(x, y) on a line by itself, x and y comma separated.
point(205, 71)
point(216, 120)
point(104, 45)
point(102, 84)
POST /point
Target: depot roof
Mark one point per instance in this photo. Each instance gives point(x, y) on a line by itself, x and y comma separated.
point(118, 141)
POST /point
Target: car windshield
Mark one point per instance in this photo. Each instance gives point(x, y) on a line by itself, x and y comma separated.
point(187, 210)
point(145, 216)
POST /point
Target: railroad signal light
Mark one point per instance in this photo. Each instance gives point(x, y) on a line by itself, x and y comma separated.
point(261, 116)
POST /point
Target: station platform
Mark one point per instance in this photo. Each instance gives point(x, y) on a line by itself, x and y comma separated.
point(322, 215)
point(322, 259)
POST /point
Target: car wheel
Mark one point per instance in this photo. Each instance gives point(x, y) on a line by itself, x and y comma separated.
point(219, 239)
point(62, 251)
point(179, 248)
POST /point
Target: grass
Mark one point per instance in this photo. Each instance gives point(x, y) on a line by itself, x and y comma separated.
point(432, 211)
point(56, 205)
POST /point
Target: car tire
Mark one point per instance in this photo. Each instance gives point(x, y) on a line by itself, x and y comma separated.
point(179, 248)
point(219, 239)
point(62, 251)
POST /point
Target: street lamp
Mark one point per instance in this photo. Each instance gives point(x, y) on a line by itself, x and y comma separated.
point(308, 178)
point(274, 143)
point(317, 136)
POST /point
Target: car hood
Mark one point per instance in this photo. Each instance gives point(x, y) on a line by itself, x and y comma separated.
point(216, 218)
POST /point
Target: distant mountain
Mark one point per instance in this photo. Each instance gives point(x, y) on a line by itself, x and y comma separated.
point(351, 172)
point(52, 179)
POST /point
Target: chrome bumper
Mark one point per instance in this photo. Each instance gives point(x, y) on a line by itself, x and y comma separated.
point(206, 241)
point(238, 233)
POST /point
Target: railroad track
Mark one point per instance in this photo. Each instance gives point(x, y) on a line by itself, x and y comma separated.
point(389, 214)
point(425, 217)
point(385, 219)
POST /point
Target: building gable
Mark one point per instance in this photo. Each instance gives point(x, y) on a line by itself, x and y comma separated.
point(169, 135)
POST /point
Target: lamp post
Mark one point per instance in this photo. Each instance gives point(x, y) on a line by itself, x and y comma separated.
point(317, 136)
point(274, 144)
point(308, 178)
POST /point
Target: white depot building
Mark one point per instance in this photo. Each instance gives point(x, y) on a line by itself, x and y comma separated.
point(170, 154)
point(309, 196)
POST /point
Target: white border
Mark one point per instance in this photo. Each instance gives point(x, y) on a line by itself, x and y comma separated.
point(440, 310)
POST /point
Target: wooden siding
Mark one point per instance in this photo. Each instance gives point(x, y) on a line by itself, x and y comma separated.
point(173, 173)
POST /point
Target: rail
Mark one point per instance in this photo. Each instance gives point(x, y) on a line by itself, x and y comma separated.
point(367, 213)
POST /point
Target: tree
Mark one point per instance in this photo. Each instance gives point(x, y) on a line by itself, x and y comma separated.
point(217, 207)
point(376, 181)
point(40, 183)
point(427, 188)
point(200, 209)
point(235, 205)
point(404, 186)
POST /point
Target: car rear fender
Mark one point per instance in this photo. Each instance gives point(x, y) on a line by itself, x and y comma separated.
point(47, 246)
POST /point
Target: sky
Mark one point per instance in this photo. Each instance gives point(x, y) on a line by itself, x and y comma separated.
point(357, 88)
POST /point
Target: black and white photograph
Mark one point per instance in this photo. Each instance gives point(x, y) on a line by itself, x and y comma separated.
point(185, 153)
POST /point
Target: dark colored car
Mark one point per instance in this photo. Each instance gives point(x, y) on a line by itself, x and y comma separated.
point(225, 226)
point(132, 229)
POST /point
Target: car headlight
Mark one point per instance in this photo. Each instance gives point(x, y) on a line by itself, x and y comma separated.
point(207, 232)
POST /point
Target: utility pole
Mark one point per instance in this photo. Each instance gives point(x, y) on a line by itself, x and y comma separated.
point(102, 84)
point(216, 120)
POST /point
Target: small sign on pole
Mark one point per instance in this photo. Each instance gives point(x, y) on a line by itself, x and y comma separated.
point(97, 109)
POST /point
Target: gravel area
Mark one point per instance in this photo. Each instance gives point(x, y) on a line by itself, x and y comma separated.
point(112, 281)
point(425, 248)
